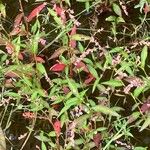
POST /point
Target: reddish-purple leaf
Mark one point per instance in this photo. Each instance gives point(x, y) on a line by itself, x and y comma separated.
point(36, 11)
point(81, 65)
point(73, 43)
point(60, 12)
point(58, 52)
point(97, 139)
point(58, 67)
point(89, 79)
point(17, 23)
point(57, 127)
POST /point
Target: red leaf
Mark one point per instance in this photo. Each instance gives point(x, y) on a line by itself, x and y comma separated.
point(97, 139)
point(35, 12)
point(89, 79)
point(58, 67)
point(72, 43)
point(57, 127)
point(16, 26)
point(81, 65)
point(60, 12)
point(39, 59)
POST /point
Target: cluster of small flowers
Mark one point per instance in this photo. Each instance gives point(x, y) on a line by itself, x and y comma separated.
point(129, 147)
point(116, 60)
point(28, 115)
point(83, 55)
point(77, 111)
point(143, 42)
point(134, 82)
point(71, 133)
point(88, 51)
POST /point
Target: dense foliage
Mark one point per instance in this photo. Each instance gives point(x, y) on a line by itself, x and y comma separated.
point(75, 74)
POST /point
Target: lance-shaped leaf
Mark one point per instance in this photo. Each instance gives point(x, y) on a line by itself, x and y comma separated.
point(113, 83)
point(145, 124)
point(41, 68)
point(80, 37)
point(144, 54)
point(58, 52)
point(105, 110)
point(35, 12)
point(58, 67)
point(117, 9)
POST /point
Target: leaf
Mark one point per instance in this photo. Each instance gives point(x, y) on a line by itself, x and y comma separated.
point(145, 124)
point(113, 83)
point(57, 127)
point(36, 11)
point(105, 110)
point(116, 50)
point(58, 52)
point(117, 9)
point(2, 9)
point(43, 146)
point(97, 139)
point(58, 67)
point(144, 54)
point(73, 86)
point(138, 91)
point(80, 37)
point(93, 71)
point(111, 18)
point(39, 59)
point(89, 79)
point(81, 65)
point(41, 68)
point(72, 43)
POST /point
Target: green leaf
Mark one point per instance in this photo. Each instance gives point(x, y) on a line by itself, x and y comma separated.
point(95, 84)
point(144, 54)
point(68, 2)
point(41, 68)
point(43, 146)
point(73, 86)
point(145, 124)
point(117, 9)
point(105, 110)
point(138, 91)
point(140, 148)
point(93, 71)
point(80, 37)
point(113, 83)
point(116, 50)
point(111, 18)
